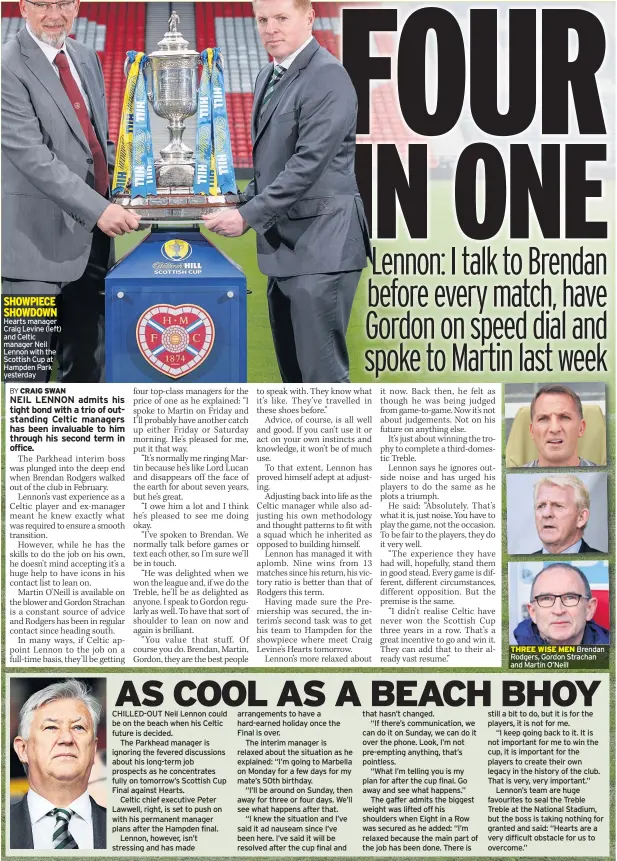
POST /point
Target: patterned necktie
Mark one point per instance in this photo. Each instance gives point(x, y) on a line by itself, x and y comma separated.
point(62, 837)
point(277, 74)
point(101, 176)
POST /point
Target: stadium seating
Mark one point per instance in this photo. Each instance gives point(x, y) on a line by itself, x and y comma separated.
point(114, 28)
point(231, 27)
point(11, 20)
point(126, 29)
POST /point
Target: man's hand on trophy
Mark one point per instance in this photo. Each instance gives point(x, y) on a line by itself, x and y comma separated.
point(227, 222)
point(116, 220)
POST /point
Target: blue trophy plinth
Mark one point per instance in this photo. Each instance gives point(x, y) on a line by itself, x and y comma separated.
point(175, 310)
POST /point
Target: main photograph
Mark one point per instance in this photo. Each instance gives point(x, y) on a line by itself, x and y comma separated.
point(234, 159)
point(122, 117)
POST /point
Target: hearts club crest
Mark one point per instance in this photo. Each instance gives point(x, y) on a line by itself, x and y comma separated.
point(175, 339)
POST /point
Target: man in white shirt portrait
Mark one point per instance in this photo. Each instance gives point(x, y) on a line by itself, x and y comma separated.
point(56, 742)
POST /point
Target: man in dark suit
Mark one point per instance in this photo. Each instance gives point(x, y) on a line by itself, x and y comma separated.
point(561, 506)
point(303, 202)
point(56, 742)
point(583, 547)
point(561, 609)
point(56, 216)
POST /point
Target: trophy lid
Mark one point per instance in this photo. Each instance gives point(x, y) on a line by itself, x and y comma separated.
point(173, 42)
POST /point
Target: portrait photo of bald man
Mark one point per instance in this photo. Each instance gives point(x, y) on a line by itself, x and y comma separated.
point(557, 513)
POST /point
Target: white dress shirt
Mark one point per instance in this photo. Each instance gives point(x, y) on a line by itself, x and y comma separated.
point(50, 54)
point(286, 63)
point(573, 549)
point(43, 826)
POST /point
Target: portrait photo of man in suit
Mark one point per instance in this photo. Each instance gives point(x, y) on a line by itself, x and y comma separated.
point(557, 513)
point(57, 219)
point(56, 743)
point(560, 610)
point(562, 507)
point(556, 426)
point(303, 201)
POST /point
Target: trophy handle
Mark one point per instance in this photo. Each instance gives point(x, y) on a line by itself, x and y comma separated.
point(148, 76)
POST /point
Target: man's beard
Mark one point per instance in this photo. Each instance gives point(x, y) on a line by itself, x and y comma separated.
point(55, 40)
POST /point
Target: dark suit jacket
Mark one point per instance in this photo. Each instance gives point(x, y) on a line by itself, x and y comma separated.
point(21, 827)
point(303, 201)
point(584, 548)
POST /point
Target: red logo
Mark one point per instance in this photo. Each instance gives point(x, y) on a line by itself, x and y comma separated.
point(175, 339)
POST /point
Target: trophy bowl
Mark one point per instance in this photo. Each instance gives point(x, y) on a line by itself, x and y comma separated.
point(171, 85)
point(172, 92)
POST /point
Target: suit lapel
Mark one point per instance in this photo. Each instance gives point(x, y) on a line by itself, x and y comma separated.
point(286, 81)
point(40, 68)
point(260, 89)
point(21, 827)
point(301, 61)
point(99, 825)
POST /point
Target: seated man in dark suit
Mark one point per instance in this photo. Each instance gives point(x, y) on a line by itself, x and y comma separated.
point(561, 506)
point(56, 742)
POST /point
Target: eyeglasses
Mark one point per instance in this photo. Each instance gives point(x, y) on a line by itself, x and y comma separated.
point(570, 599)
point(63, 5)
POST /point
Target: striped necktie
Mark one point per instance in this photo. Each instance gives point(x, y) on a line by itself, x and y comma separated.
point(62, 837)
point(277, 74)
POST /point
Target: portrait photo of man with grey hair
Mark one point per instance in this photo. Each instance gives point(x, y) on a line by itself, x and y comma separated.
point(562, 507)
point(557, 513)
point(56, 742)
point(556, 426)
point(57, 217)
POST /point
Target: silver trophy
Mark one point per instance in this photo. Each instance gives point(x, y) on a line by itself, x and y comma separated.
point(172, 92)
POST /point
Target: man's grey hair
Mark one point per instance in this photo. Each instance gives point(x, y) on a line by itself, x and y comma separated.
point(70, 689)
point(581, 493)
point(568, 567)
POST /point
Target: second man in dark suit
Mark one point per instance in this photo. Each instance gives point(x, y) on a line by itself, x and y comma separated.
point(303, 202)
point(56, 216)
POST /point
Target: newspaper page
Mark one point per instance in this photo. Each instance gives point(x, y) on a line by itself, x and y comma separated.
point(355, 615)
